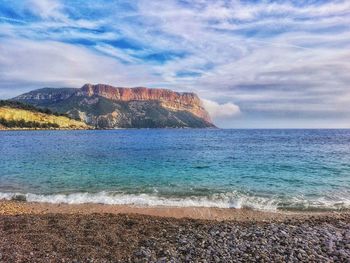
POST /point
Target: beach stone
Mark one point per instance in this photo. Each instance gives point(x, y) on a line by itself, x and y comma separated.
point(198, 241)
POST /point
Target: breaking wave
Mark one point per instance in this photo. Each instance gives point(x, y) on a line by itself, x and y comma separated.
point(227, 200)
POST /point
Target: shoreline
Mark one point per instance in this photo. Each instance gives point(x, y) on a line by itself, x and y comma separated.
point(112, 129)
point(46, 129)
point(10, 207)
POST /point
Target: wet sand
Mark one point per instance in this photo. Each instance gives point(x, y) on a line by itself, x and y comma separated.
point(38, 232)
point(16, 207)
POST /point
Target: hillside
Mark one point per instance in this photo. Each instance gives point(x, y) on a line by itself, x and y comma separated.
point(104, 106)
point(15, 115)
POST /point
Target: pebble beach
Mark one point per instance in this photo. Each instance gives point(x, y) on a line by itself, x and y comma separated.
point(100, 233)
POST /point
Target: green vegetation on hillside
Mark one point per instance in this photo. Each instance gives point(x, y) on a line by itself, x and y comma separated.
point(27, 124)
point(23, 106)
point(15, 114)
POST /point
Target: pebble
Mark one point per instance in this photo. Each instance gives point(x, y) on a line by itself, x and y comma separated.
point(213, 241)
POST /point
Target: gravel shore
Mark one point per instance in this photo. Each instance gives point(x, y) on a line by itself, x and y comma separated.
point(140, 238)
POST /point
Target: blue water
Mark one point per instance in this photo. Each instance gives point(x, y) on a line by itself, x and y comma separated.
point(258, 169)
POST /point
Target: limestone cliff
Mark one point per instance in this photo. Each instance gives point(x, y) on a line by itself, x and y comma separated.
point(105, 106)
point(169, 99)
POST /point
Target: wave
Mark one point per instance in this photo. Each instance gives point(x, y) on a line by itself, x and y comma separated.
point(229, 200)
point(225, 200)
point(328, 203)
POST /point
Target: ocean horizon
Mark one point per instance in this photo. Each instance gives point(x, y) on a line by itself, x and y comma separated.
point(261, 169)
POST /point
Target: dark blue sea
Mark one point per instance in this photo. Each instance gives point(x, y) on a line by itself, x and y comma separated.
point(258, 169)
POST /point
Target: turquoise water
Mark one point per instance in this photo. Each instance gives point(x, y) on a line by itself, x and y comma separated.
point(258, 169)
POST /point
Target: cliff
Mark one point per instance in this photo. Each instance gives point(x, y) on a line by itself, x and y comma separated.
point(105, 106)
point(168, 99)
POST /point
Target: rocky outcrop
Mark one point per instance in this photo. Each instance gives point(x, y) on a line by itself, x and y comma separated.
point(105, 106)
point(46, 94)
point(169, 99)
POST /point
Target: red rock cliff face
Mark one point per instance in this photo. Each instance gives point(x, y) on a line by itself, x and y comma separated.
point(168, 99)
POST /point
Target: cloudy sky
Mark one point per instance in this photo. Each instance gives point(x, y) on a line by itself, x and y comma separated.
point(254, 63)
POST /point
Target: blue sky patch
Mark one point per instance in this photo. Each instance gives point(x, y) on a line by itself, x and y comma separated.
point(186, 74)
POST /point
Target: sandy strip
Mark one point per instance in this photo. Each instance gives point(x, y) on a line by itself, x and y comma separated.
point(16, 208)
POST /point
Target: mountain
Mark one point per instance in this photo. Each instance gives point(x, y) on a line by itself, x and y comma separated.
point(105, 106)
point(16, 115)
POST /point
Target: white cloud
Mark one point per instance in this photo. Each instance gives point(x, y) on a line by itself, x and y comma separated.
point(47, 8)
point(49, 63)
point(266, 57)
point(117, 53)
point(219, 111)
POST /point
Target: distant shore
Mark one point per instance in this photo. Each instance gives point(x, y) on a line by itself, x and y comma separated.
point(39, 232)
point(42, 129)
point(2, 128)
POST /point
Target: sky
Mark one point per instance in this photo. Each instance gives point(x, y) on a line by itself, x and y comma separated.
point(255, 64)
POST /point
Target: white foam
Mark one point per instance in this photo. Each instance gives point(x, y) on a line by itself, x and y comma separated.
point(332, 202)
point(225, 200)
point(229, 200)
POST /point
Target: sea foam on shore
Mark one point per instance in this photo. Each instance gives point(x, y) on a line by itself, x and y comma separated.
point(224, 200)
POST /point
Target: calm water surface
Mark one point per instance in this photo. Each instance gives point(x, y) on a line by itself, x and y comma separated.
point(259, 169)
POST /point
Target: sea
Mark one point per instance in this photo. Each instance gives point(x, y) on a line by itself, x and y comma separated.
point(269, 170)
